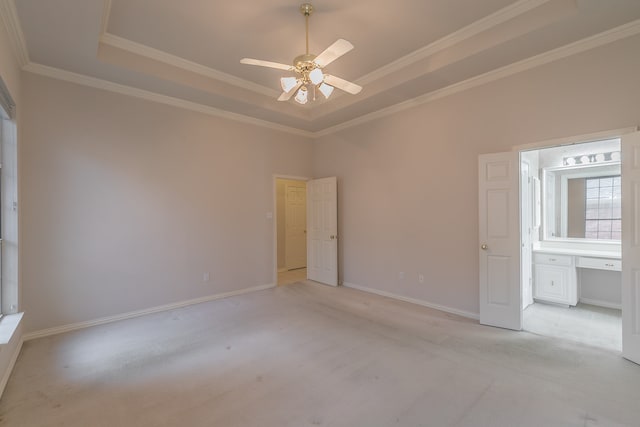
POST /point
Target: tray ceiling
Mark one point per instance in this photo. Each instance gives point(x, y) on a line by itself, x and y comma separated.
point(190, 50)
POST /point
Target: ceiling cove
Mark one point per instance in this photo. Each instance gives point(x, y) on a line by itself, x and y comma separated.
point(218, 92)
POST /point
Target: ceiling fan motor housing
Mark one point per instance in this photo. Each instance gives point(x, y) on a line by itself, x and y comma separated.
point(304, 63)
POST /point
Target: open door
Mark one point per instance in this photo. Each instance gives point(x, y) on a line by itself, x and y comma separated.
point(631, 247)
point(499, 251)
point(322, 234)
point(295, 224)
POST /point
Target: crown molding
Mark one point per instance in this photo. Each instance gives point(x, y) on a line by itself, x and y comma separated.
point(9, 16)
point(606, 37)
point(490, 21)
point(84, 80)
point(628, 30)
point(505, 14)
point(576, 139)
point(176, 61)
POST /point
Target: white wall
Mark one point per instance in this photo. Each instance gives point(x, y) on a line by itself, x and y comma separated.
point(126, 203)
point(409, 191)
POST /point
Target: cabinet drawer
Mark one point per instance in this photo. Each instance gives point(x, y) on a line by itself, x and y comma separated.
point(551, 259)
point(553, 283)
point(600, 263)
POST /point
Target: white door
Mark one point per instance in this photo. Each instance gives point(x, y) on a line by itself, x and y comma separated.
point(499, 251)
point(631, 247)
point(295, 225)
point(322, 230)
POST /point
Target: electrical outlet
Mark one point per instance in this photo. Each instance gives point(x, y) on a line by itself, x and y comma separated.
point(205, 277)
point(401, 275)
point(421, 278)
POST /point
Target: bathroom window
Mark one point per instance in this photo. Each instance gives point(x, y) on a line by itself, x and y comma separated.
point(603, 211)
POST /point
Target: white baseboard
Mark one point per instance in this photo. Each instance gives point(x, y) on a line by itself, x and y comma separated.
point(599, 303)
point(81, 325)
point(12, 362)
point(423, 303)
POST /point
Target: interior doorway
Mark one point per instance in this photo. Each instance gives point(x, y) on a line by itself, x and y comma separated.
point(571, 230)
point(291, 230)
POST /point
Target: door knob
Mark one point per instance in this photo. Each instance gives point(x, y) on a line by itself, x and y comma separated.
point(332, 237)
point(484, 247)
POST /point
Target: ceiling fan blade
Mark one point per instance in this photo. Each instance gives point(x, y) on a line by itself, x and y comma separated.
point(333, 52)
point(287, 95)
point(269, 64)
point(346, 86)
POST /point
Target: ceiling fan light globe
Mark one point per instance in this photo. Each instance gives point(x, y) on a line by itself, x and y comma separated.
point(302, 96)
point(288, 83)
point(326, 90)
point(316, 76)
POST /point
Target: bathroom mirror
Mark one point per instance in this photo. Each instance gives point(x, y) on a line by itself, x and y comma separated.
point(582, 202)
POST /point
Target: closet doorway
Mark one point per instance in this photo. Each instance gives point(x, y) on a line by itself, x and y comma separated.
point(291, 230)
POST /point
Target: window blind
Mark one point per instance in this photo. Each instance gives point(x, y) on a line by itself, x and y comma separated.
point(6, 101)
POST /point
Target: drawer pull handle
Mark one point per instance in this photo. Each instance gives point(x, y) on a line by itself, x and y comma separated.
point(609, 265)
point(552, 259)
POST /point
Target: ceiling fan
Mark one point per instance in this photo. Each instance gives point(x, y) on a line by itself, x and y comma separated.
point(309, 69)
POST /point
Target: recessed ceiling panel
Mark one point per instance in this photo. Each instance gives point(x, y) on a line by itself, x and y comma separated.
point(219, 33)
point(153, 38)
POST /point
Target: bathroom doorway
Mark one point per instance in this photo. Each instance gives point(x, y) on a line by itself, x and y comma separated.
point(571, 230)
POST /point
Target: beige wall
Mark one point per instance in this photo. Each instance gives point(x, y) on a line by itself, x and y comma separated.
point(126, 203)
point(408, 196)
point(576, 209)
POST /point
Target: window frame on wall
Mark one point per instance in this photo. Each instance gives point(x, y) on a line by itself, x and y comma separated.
point(9, 268)
point(608, 194)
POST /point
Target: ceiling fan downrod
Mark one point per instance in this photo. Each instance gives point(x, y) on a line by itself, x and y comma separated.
point(306, 9)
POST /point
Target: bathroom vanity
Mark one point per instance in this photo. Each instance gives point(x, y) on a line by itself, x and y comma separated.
point(556, 277)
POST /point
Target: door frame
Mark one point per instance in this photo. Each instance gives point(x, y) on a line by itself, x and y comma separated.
point(578, 139)
point(530, 224)
point(274, 179)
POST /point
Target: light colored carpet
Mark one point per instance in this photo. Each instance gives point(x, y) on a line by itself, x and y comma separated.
point(313, 355)
point(588, 324)
point(292, 276)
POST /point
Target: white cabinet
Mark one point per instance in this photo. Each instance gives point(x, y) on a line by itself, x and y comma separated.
point(600, 263)
point(555, 279)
